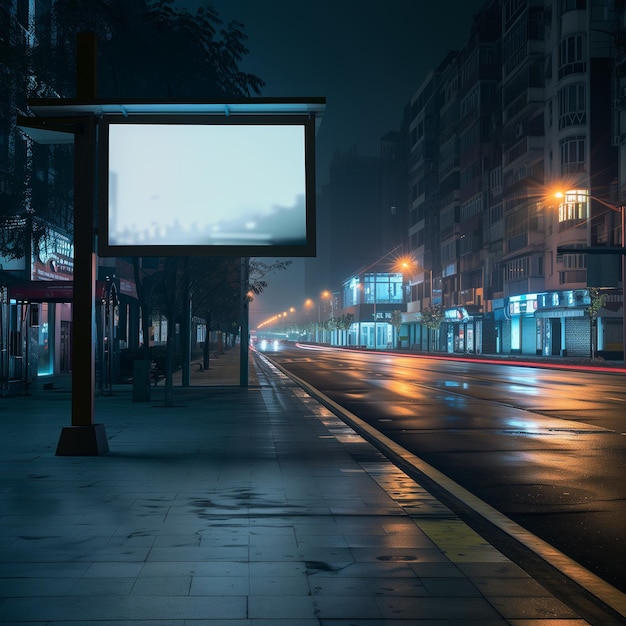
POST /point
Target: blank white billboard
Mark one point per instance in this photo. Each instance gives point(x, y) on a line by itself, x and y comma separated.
point(243, 188)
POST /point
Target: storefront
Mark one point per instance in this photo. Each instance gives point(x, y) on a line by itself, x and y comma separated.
point(371, 298)
point(378, 334)
point(462, 329)
point(36, 330)
point(524, 335)
point(563, 326)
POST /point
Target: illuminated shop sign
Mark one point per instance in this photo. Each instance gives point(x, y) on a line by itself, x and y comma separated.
point(518, 305)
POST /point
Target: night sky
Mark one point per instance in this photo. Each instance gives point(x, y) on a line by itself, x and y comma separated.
point(367, 57)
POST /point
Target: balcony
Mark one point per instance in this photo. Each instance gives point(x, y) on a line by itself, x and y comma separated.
point(522, 148)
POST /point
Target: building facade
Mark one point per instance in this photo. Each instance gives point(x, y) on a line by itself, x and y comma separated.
point(36, 185)
point(371, 300)
point(514, 170)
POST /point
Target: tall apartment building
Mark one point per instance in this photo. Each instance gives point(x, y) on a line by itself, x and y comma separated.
point(35, 186)
point(36, 191)
point(524, 110)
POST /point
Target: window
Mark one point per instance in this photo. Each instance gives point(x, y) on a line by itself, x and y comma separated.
point(470, 138)
point(572, 106)
point(572, 154)
point(472, 207)
point(467, 245)
point(471, 172)
point(382, 288)
point(514, 43)
point(495, 177)
point(449, 251)
point(574, 261)
point(571, 5)
point(469, 103)
point(518, 268)
point(517, 223)
point(449, 216)
point(495, 214)
point(470, 67)
point(512, 10)
point(572, 55)
point(574, 208)
point(572, 276)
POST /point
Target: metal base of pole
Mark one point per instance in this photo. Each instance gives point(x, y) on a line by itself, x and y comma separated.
point(88, 440)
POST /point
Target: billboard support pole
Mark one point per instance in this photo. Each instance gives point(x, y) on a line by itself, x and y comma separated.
point(83, 437)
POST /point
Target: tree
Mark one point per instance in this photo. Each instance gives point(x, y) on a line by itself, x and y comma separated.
point(170, 301)
point(431, 317)
point(148, 49)
point(343, 323)
point(152, 49)
point(212, 285)
point(155, 49)
point(31, 199)
point(396, 322)
point(597, 301)
point(259, 270)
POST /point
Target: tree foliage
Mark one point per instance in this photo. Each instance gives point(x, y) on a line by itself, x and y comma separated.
point(155, 49)
point(396, 319)
point(148, 49)
point(597, 301)
point(432, 316)
point(31, 199)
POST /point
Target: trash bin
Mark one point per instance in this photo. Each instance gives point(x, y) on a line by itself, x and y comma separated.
point(141, 381)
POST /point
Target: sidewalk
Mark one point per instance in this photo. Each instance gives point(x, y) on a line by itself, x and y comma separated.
point(224, 369)
point(237, 506)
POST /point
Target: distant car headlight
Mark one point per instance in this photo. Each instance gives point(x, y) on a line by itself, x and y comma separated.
point(263, 344)
point(276, 344)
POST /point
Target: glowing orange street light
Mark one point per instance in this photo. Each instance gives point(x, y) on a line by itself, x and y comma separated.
point(327, 295)
point(408, 263)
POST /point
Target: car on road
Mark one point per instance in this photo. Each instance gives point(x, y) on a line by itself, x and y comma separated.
point(269, 345)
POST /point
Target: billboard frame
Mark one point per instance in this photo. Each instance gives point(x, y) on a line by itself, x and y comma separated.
point(306, 248)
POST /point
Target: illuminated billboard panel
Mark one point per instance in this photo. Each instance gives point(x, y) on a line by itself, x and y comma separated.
point(181, 186)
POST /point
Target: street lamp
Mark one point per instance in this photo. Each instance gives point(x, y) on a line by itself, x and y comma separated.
point(408, 263)
point(617, 209)
point(430, 274)
point(327, 295)
point(308, 305)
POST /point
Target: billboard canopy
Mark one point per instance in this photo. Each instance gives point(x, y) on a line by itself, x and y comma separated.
point(54, 118)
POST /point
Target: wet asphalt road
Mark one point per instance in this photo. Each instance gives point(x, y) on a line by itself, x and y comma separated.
point(546, 447)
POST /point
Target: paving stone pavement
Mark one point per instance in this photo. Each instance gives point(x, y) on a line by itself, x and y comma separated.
point(236, 506)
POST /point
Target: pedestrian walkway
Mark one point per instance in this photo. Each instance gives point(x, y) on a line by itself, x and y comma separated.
point(236, 506)
point(224, 369)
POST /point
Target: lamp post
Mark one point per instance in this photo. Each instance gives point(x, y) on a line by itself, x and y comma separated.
point(619, 209)
point(430, 274)
point(327, 295)
point(308, 305)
